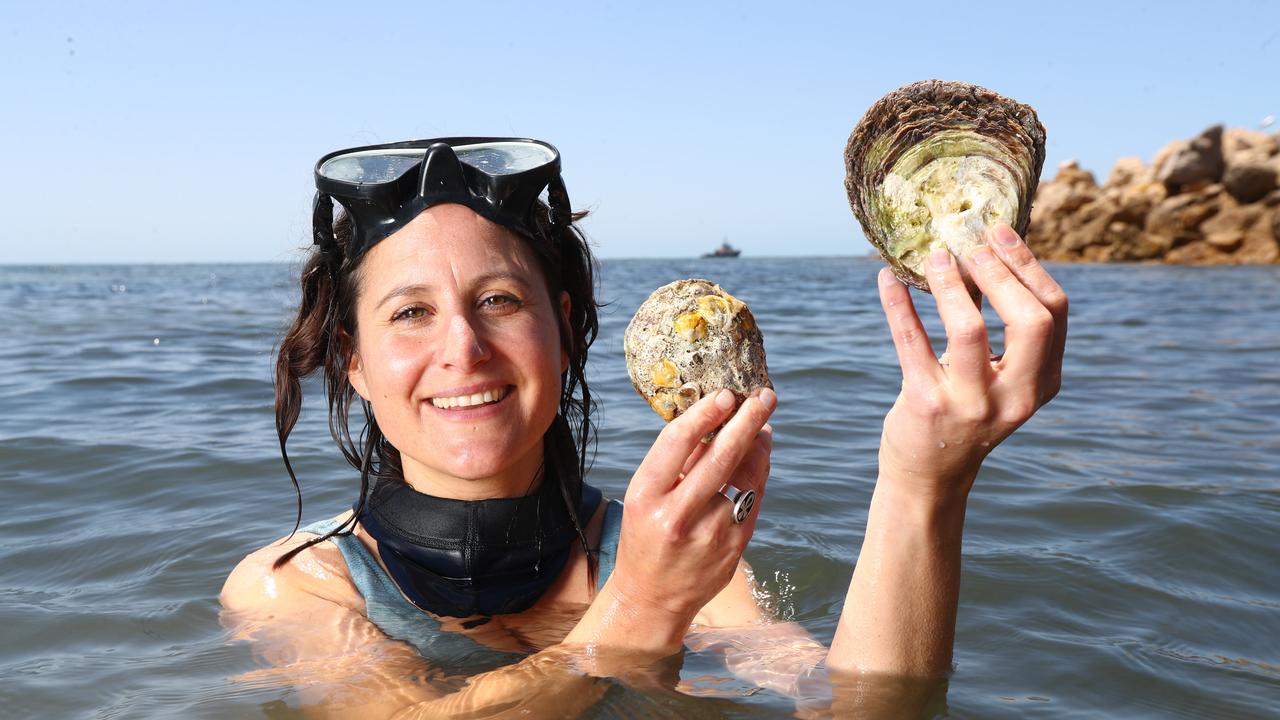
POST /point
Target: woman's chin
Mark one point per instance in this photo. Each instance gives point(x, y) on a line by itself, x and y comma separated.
point(494, 472)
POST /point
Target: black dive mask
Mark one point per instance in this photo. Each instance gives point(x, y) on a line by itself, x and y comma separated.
point(383, 187)
point(460, 558)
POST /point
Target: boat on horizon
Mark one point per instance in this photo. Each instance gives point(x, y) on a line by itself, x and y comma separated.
point(724, 251)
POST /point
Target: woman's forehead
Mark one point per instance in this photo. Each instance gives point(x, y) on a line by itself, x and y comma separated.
point(448, 245)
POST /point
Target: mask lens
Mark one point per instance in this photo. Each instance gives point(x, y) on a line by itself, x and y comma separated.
point(371, 166)
point(386, 165)
point(504, 158)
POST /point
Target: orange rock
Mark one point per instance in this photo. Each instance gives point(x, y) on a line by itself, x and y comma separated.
point(1190, 161)
point(1261, 243)
point(1129, 170)
point(1214, 199)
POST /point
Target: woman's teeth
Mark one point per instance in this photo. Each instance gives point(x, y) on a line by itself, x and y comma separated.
point(444, 403)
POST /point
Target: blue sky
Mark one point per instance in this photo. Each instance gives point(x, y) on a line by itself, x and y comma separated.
point(184, 132)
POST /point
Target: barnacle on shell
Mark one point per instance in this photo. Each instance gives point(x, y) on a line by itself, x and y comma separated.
point(690, 339)
point(933, 164)
point(715, 310)
point(664, 404)
point(664, 373)
point(687, 395)
point(691, 326)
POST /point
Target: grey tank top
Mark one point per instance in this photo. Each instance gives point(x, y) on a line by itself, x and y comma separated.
point(401, 620)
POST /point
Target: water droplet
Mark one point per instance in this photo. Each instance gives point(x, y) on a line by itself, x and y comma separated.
point(986, 444)
point(942, 443)
point(155, 341)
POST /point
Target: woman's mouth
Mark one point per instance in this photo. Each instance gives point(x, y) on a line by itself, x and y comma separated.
point(486, 397)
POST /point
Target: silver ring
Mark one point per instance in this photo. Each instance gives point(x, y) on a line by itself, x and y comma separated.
point(744, 501)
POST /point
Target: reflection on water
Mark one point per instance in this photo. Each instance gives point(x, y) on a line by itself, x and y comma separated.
point(1119, 552)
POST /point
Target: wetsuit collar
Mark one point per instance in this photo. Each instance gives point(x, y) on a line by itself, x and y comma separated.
point(461, 558)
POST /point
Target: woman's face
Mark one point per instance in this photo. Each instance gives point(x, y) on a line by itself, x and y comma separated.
point(458, 351)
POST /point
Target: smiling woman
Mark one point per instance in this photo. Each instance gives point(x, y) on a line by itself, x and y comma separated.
point(458, 353)
point(456, 309)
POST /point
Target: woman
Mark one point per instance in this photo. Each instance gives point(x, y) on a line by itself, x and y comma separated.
point(459, 308)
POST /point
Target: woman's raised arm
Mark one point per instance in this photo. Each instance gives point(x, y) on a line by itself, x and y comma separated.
point(900, 612)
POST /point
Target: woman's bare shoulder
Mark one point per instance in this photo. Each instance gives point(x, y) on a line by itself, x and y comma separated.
point(318, 571)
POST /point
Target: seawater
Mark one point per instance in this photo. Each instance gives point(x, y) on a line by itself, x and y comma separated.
point(1120, 553)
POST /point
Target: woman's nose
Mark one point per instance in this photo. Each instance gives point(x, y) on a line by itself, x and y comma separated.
point(464, 347)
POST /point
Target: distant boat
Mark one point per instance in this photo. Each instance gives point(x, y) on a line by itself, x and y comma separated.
point(724, 251)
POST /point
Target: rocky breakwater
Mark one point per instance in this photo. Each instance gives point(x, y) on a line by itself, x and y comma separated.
point(1210, 200)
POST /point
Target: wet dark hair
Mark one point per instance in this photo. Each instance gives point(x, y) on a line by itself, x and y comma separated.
point(322, 337)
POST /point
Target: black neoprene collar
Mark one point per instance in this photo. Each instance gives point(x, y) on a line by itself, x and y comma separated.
point(462, 558)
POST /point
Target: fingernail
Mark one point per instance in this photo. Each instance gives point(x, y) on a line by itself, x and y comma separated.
point(940, 259)
point(768, 398)
point(725, 400)
point(1005, 236)
point(980, 256)
point(886, 277)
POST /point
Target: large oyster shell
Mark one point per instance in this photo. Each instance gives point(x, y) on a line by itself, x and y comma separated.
point(934, 163)
point(690, 339)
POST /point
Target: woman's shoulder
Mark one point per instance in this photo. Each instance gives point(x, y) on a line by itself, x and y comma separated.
point(318, 571)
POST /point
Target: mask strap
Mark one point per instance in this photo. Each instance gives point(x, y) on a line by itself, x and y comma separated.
point(558, 199)
point(322, 223)
point(322, 232)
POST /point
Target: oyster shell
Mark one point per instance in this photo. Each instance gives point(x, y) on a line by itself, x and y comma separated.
point(934, 163)
point(690, 339)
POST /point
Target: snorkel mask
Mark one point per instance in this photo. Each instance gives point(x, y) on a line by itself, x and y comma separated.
point(384, 187)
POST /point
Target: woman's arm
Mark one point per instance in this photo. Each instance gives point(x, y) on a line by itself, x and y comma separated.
point(900, 611)
point(306, 620)
point(341, 664)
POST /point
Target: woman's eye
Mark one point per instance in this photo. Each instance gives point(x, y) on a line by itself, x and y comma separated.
point(500, 303)
point(413, 312)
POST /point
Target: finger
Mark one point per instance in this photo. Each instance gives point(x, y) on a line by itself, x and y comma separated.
point(967, 347)
point(678, 440)
point(1028, 335)
point(1017, 256)
point(693, 458)
point(719, 463)
point(752, 474)
point(702, 447)
point(915, 354)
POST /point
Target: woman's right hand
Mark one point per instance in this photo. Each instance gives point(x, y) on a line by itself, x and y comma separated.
point(679, 545)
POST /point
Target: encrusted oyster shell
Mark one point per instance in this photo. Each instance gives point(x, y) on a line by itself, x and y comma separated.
point(690, 339)
point(934, 163)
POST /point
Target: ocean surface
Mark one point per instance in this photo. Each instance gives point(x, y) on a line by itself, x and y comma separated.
point(1121, 556)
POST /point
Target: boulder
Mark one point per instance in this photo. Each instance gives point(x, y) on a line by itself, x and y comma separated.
point(1069, 172)
point(1197, 253)
point(1238, 142)
point(1250, 178)
point(1129, 170)
point(1227, 228)
point(1179, 217)
point(1136, 201)
point(1185, 162)
point(1261, 243)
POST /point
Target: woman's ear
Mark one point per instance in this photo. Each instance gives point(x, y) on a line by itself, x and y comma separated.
point(355, 375)
point(565, 330)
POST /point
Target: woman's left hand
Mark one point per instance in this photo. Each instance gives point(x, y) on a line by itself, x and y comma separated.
point(952, 412)
point(679, 543)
